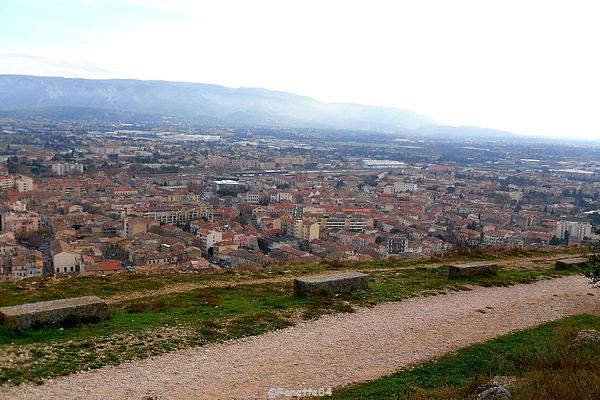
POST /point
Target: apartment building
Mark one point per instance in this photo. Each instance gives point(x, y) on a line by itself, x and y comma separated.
point(306, 230)
point(67, 168)
point(173, 215)
point(19, 183)
point(20, 222)
point(575, 229)
point(401, 187)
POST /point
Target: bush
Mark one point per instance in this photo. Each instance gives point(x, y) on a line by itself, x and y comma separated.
point(592, 269)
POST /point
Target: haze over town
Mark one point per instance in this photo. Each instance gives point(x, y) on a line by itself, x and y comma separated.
point(527, 68)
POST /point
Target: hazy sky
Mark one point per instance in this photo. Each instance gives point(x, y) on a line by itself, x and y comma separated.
point(526, 66)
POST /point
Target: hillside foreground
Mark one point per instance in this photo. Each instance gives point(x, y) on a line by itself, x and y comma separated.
point(332, 351)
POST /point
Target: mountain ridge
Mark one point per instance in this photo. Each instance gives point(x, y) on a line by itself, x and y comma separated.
point(236, 106)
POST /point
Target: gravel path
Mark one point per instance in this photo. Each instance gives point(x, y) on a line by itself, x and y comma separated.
point(332, 351)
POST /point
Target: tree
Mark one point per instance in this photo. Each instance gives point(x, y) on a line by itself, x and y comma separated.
point(462, 244)
point(592, 269)
point(554, 241)
point(263, 246)
point(35, 239)
point(371, 180)
point(115, 253)
point(304, 245)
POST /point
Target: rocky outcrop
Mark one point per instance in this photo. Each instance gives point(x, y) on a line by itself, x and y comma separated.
point(585, 337)
point(493, 392)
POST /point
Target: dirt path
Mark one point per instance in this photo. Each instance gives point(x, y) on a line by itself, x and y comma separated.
point(516, 263)
point(332, 351)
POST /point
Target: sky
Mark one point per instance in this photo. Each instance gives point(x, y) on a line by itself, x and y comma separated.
point(529, 67)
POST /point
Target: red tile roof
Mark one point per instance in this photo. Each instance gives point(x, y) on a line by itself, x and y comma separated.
point(113, 265)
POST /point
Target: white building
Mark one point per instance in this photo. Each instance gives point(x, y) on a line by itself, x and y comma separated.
point(64, 259)
point(24, 184)
point(400, 187)
point(282, 196)
point(576, 229)
point(208, 238)
point(383, 164)
point(66, 168)
point(252, 198)
point(229, 184)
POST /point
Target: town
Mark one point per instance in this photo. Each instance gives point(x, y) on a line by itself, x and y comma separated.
point(168, 197)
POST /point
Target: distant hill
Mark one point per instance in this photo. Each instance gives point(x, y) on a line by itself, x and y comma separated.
point(66, 113)
point(83, 99)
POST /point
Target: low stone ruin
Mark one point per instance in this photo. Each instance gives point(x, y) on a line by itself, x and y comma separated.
point(472, 269)
point(53, 312)
point(571, 262)
point(328, 284)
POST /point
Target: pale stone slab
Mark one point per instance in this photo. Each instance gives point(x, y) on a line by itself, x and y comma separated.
point(472, 269)
point(328, 284)
point(53, 312)
point(571, 262)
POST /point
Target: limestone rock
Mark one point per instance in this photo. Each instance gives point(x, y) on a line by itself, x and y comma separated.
point(472, 269)
point(328, 284)
point(493, 392)
point(53, 312)
point(585, 337)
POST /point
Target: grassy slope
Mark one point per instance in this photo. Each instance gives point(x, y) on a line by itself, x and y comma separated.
point(40, 289)
point(539, 358)
point(153, 325)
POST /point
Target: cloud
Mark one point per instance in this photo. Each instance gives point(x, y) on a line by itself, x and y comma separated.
point(30, 64)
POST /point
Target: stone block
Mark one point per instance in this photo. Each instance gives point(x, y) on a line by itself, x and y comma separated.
point(472, 269)
point(570, 262)
point(53, 312)
point(328, 284)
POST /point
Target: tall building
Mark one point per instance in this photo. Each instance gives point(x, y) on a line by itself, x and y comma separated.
point(306, 230)
point(21, 183)
point(397, 244)
point(66, 168)
point(400, 187)
point(133, 226)
point(576, 229)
